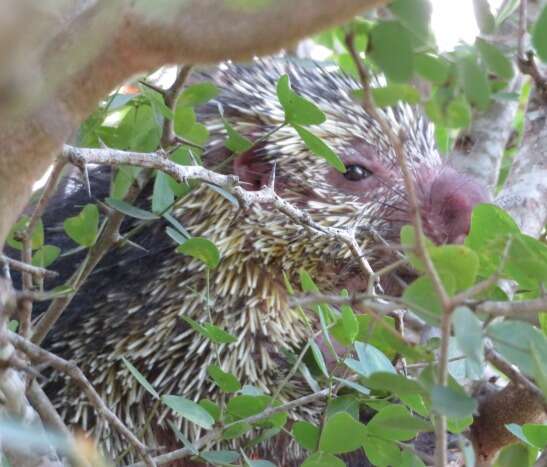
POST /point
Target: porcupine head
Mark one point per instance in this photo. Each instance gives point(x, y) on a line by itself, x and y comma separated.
point(247, 295)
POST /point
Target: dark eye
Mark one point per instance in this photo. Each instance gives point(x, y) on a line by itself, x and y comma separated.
point(354, 173)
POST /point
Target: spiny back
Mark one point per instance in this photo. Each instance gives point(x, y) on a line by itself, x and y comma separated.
point(139, 303)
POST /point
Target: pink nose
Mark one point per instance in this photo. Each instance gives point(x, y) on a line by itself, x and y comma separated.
point(447, 206)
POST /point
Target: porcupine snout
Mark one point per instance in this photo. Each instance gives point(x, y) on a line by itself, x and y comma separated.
point(447, 198)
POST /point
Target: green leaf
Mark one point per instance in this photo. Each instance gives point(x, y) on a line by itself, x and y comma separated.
point(298, 110)
point(349, 323)
point(236, 142)
point(125, 175)
point(184, 120)
point(157, 102)
point(536, 434)
point(539, 35)
point(318, 147)
point(318, 357)
point(212, 332)
point(212, 408)
point(177, 225)
point(458, 261)
point(395, 423)
point(218, 335)
point(140, 378)
point(197, 94)
point(129, 210)
point(353, 385)
point(422, 298)
point(143, 129)
point(443, 139)
point(189, 410)
point(408, 240)
point(198, 134)
point(202, 249)
point(458, 113)
point(409, 459)
point(236, 430)
point(431, 67)
point(517, 431)
point(342, 433)
point(306, 434)
point(245, 406)
point(381, 452)
point(446, 401)
point(347, 403)
point(393, 93)
point(490, 230)
point(176, 235)
point(494, 59)
point(415, 15)
point(370, 360)
point(485, 20)
point(468, 334)
point(393, 382)
point(83, 227)
point(37, 237)
point(45, 256)
point(225, 381)
point(513, 339)
point(516, 455)
point(475, 82)
point(540, 367)
point(323, 459)
point(385, 38)
point(457, 425)
point(259, 462)
point(162, 195)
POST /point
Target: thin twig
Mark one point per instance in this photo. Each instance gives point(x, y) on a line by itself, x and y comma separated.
point(109, 232)
point(527, 310)
point(513, 373)
point(36, 271)
point(228, 182)
point(421, 250)
point(37, 354)
point(170, 97)
point(27, 282)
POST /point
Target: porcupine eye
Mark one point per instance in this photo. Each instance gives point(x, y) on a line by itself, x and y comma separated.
point(355, 172)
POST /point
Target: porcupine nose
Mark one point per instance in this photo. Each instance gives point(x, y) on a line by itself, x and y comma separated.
point(449, 203)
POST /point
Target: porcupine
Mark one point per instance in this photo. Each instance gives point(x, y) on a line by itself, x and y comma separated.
point(133, 303)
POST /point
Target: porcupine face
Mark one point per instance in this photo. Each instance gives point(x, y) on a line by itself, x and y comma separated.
point(370, 196)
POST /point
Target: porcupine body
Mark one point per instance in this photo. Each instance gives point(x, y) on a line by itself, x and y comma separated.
point(133, 304)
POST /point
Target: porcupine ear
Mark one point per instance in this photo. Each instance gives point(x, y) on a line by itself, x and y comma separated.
point(253, 171)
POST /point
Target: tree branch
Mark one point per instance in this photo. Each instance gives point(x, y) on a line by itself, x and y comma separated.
point(39, 355)
point(96, 45)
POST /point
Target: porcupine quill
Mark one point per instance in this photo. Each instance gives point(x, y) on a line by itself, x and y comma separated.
point(133, 304)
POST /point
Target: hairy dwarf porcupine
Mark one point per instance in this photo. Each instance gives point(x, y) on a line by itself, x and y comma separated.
point(133, 304)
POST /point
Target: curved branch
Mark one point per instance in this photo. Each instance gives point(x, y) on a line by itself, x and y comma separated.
point(102, 43)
